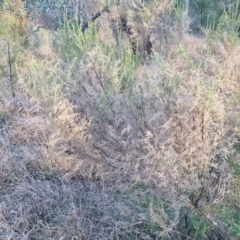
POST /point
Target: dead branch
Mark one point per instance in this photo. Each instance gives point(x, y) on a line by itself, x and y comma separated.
point(94, 17)
point(10, 70)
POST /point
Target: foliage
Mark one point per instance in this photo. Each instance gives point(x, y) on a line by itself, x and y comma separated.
point(13, 21)
point(127, 130)
point(207, 11)
point(229, 215)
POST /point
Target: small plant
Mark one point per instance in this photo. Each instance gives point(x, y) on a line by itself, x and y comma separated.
point(197, 226)
point(13, 30)
point(13, 21)
point(229, 215)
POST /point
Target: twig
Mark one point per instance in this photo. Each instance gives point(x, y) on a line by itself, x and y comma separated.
point(202, 123)
point(102, 85)
point(104, 154)
point(94, 17)
point(10, 70)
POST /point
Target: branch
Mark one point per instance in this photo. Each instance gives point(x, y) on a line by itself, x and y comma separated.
point(94, 17)
point(10, 70)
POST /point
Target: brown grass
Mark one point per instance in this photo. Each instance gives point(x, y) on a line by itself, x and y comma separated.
point(82, 157)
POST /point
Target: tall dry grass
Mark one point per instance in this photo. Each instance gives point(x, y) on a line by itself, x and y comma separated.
point(105, 140)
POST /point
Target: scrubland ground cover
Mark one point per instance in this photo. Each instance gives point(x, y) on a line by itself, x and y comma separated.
point(127, 128)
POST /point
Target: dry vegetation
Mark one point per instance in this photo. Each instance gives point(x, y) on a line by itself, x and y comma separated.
point(128, 130)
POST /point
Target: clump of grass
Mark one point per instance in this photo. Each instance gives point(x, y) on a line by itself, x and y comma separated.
point(106, 143)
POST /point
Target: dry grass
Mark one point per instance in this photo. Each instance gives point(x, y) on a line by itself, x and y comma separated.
point(103, 144)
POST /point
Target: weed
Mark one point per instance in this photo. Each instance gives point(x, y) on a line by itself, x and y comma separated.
point(125, 124)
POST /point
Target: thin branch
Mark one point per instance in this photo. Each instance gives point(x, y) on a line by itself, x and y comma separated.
point(202, 123)
point(10, 70)
point(94, 17)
